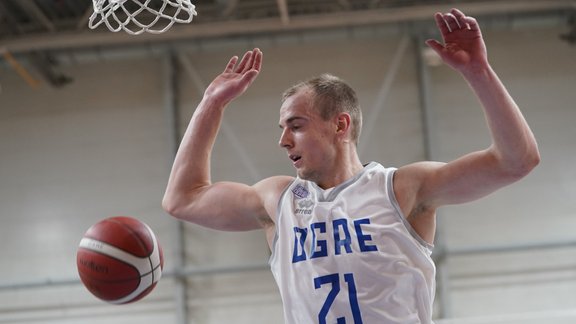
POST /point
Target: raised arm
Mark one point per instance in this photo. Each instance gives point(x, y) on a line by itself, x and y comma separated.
point(513, 153)
point(190, 195)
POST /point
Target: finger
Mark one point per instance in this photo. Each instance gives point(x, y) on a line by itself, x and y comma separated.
point(231, 64)
point(257, 60)
point(460, 18)
point(441, 23)
point(472, 23)
point(245, 60)
point(435, 45)
point(452, 22)
point(249, 76)
point(250, 63)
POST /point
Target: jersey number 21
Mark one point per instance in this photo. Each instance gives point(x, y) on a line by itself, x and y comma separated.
point(334, 280)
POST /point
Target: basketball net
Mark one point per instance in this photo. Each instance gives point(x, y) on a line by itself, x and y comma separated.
point(138, 16)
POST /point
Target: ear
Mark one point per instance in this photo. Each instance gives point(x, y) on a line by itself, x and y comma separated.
point(343, 123)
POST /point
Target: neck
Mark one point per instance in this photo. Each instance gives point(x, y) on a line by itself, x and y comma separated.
point(342, 170)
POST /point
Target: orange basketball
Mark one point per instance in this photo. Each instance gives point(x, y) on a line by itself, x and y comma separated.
point(119, 260)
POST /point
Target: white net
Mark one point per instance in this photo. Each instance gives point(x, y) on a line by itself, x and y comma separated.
point(139, 16)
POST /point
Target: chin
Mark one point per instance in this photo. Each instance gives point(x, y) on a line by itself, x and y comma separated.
point(301, 174)
point(304, 175)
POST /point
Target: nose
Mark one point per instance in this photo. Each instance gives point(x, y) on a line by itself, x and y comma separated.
point(285, 139)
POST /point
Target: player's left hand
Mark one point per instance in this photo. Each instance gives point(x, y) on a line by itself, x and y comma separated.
point(463, 48)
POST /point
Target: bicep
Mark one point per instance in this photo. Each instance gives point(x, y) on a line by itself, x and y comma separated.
point(230, 206)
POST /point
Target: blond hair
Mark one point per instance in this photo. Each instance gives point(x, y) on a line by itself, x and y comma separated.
point(332, 96)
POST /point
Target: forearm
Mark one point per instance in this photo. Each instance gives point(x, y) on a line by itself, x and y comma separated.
point(191, 168)
point(512, 140)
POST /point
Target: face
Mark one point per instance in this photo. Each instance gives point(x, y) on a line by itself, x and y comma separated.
point(308, 140)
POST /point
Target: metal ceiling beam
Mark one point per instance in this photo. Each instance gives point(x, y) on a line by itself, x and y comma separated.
point(284, 14)
point(75, 40)
point(344, 4)
point(32, 9)
point(83, 21)
point(379, 103)
point(230, 8)
point(172, 104)
point(12, 22)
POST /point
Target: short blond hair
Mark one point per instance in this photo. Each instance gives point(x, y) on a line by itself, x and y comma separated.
point(332, 96)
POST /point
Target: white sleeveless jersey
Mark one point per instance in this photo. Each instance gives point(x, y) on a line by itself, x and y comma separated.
point(348, 255)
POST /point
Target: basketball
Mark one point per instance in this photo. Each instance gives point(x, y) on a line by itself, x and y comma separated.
point(119, 260)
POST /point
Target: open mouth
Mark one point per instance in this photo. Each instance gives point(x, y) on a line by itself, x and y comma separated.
point(295, 158)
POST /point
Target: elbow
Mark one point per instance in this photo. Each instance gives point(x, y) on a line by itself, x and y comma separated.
point(168, 206)
point(525, 165)
point(535, 159)
point(172, 207)
point(183, 204)
point(531, 161)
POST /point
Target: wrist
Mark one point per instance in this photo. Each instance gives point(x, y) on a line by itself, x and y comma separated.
point(213, 103)
point(478, 73)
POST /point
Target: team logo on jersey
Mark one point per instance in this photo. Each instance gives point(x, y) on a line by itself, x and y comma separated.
point(300, 192)
point(304, 207)
point(306, 203)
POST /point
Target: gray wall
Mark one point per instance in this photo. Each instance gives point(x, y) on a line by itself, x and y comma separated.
point(100, 147)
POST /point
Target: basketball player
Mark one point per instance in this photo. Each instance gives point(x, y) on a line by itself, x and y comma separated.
point(350, 242)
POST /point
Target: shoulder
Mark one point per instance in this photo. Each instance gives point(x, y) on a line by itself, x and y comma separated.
point(417, 172)
point(270, 190)
point(274, 184)
point(410, 181)
point(410, 186)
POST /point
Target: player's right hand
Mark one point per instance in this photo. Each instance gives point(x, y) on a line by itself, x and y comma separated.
point(235, 78)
